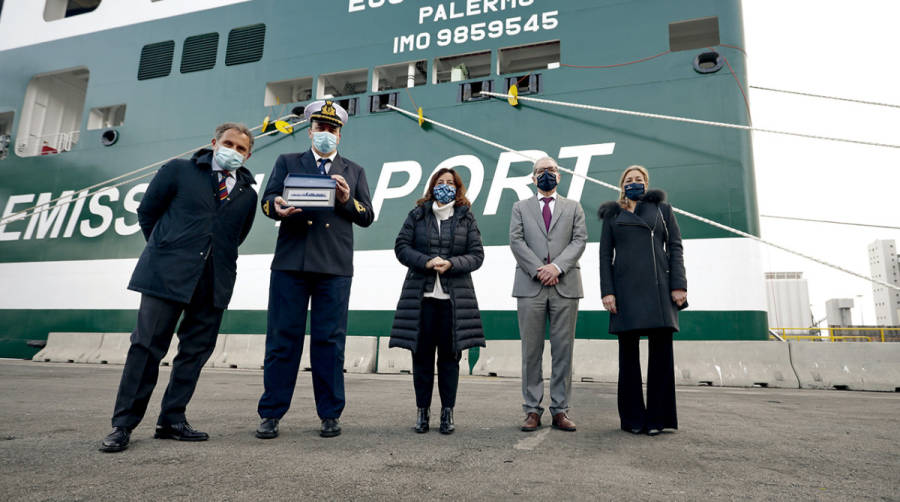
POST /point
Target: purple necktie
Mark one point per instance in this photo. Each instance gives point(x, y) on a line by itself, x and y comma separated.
point(546, 211)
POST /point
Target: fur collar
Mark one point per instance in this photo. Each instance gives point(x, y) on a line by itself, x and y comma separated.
point(654, 196)
point(611, 209)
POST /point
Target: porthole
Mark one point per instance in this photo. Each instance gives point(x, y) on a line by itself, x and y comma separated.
point(109, 137)
point(708, 62)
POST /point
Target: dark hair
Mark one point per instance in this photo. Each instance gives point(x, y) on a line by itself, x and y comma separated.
point(241, 128)
point(461, 199)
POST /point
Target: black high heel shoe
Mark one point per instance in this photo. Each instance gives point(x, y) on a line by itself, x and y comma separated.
point(422, 420)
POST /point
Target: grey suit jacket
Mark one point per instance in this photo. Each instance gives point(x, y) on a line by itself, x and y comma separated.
point(531, 244)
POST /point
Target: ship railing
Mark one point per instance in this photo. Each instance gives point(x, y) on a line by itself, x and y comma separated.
point(49, 144)
point(835, 334)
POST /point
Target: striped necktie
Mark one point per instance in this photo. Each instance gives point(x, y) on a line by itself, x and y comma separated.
point(223, 185)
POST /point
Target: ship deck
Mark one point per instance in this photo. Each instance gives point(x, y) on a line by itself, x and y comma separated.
point(732, 444)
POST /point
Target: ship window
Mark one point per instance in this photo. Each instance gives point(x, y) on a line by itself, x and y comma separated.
point(156, 60)
point(288, 91)
point(245, 44)
point(400, 75)
point(471, 91)
point(61, 9)
point(106, 116)
point(342, 84)
point(462, 67)
point(349, 104)
point(199, 52)
point(694, 34)
point(51, 115)
point(379, 102)
point(6, 122)
point(530, 83)
point(524, 58)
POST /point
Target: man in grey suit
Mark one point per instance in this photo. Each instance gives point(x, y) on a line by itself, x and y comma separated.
point(547, 235)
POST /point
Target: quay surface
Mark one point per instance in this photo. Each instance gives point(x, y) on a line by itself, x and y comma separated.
point(733, 443)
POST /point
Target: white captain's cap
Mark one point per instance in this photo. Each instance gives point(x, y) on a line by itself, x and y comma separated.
point(326, 111)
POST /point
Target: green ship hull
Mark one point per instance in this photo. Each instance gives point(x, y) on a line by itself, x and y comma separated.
point(66, 270)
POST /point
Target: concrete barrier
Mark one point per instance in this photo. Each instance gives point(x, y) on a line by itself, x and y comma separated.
point(169, 358)
point(598, 360)
point(847, 365)
point(170, 355)
point(734, 364)
point(503, 358)
point(393, 360)
point(241, 351)
point(113, 349)
point(400, 360)
point(360, 354)
point(69, 347)
point(304, 357)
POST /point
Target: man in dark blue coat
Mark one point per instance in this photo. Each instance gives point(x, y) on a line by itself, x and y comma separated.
point(194, 216)
point(313, 263)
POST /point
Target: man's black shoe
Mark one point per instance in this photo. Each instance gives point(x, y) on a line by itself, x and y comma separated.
point(267, 429)
point(331, 427)
point(181, 432)
point(117, 440)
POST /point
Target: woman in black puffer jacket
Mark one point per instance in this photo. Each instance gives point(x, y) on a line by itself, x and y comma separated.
point(441, 245)
point(643, 284)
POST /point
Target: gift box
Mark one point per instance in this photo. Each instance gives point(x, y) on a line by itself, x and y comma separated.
point(309, 191)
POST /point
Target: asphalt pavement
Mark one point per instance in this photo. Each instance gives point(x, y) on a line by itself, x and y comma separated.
point(732, 444)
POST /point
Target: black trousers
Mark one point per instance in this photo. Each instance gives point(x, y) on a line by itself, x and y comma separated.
point(660, 410)
point(150, 341)
point(436, 332)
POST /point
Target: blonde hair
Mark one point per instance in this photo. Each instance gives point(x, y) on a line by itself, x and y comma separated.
point(627, 170)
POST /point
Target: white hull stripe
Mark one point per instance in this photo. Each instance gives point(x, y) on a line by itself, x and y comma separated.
point(723, 275)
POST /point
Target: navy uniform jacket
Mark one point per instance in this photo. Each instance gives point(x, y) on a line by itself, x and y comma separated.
point(185, 225)
point(318, 241)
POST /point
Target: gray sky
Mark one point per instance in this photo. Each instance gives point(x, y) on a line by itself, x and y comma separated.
point(838, 48)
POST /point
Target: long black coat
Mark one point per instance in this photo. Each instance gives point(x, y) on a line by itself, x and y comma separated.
point(185, 225)
point(414, 248)
point(641, 262)
point(318, 240)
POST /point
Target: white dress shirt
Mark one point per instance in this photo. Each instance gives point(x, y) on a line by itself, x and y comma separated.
point(552, 204)
point(327, 164)
point(230, 181)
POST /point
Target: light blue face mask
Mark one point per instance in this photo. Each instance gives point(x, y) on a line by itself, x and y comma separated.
point(324, 142)
point(228, 158)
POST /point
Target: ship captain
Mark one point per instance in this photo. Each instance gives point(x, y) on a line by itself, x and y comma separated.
point(311, 272)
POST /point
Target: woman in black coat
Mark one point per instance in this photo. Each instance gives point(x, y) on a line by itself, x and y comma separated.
point(643, 284)
point(441, 245)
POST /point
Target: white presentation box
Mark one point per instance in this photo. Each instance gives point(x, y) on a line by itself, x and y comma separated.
point(309, 191)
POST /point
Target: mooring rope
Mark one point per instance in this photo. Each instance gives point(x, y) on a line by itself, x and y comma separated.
point(687, 120)
point(105, 185)
point(677, 210)
point(823, 96)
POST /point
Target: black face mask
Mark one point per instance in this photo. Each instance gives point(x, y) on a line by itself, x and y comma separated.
point(546, 181)
point(634, 191)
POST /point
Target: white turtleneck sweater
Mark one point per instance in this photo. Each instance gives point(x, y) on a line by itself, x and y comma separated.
point(441, 213)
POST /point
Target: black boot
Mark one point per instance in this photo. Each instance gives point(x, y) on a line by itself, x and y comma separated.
point(422, 420)
point(447, 421)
